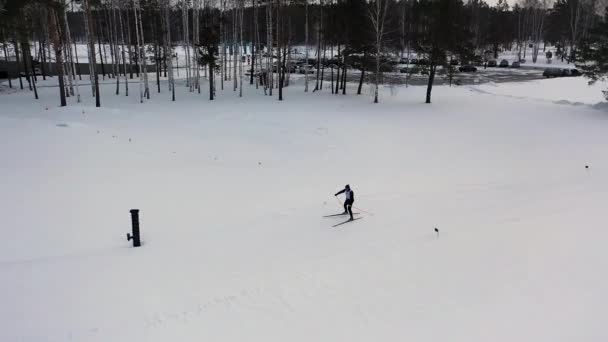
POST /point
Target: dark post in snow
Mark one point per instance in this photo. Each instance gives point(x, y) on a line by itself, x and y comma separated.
point(135, 227)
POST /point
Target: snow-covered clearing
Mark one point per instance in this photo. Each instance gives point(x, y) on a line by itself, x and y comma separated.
point(575, 91)
point(541, 61)
point(231, 194)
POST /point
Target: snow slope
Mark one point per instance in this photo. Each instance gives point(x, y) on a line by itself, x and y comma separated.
point(575, 91)
point(231, 194)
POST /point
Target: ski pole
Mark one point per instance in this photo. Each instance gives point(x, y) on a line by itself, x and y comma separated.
point(337, 199)
point(367, 212)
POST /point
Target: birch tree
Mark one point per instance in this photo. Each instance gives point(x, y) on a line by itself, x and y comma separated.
point(240, 20)
point(93, 69)
point(377, 15)
point(306, 45)
point(140, 53)
point(319, 30)
point(72, 65)
point(538, 10)
point(122, 48)
point(143, 54)
point(167, 6)
point(222, 44)
point(270, 60)
point(186, 43)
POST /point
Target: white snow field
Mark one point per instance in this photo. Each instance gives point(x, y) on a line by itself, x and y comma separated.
point(232, 194)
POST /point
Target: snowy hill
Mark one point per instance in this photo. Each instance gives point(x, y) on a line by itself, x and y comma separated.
point(232, 194)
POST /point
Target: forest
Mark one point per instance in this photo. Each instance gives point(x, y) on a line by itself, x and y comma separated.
point(228, 43)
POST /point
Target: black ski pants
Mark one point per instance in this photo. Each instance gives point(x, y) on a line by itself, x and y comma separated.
point(348, 207)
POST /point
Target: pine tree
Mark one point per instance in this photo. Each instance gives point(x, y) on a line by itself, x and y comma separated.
point(443, 30)
point(592, 57)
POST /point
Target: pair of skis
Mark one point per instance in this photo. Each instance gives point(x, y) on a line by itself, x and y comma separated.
point(347, 221)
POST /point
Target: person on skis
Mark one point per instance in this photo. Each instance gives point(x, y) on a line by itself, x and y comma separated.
point(348, 200)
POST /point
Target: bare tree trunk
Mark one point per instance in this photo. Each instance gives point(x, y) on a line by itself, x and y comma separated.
point(287, 56)
point(186, 43)
point(253, 41)
point(259, 50)
point(115, 52)
point(25, 53)
point(90, 50)
point(402, 24)
point(58, 54)
point(575, 14)
point(266, 72)
point(168, 23)
point(235, 49)
point(279, 60)
point(195, 43)
point(430, 83)
point(211, 67)
point(71, 73)
point(241, 10)
point(332, 69)
point(140, 53)
point(27, 62)
point(42, 42)
point(278, 34)
point(338, 75)
point(362, 74)
point(193, 56)
point(377, 15)
point(344, 72)
point(319, 29)
point(323, 61)
point(129, 43)
point(122, 50)
point(165, 53)
point(10, 83)
point(48, 50)
point(87, 7)
point(306, 45)
point(69, 90)
point(31, 65)
point(222, 48)
point(103, 68)
point(77, 62)
point(157, 56)
point(271, 47)
point(143, 53)
point(42, 60)
point(17, 63)
point(109, 35)
point(34, 78)
point(377, 78)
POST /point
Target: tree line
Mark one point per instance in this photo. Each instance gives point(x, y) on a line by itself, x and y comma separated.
point(229, 42)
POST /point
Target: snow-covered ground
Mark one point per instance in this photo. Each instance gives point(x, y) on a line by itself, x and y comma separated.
point(574, 91)
point(231, 194)
point(541, 61)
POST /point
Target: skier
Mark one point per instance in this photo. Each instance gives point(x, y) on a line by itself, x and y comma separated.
point(348, 201)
